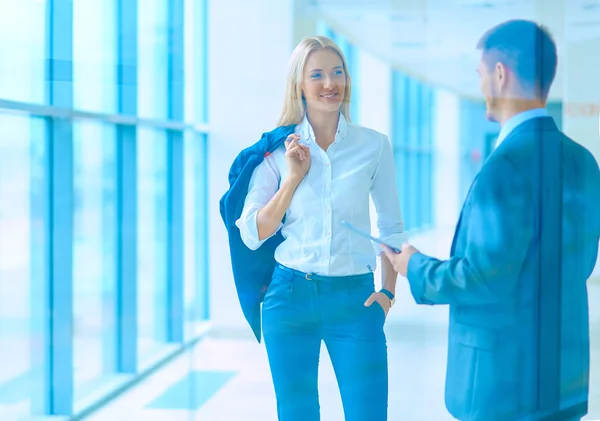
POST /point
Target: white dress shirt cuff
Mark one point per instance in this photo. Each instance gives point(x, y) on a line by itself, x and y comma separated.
point(248, 226)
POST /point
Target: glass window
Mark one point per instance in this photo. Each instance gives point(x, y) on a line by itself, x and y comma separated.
point(94, 255)
point(400, 140)
point(195, 214)
point(152, 241)
point(23, 246)
point(153, 59)
point(195, 55)
point(94, 55)
point(23, 50)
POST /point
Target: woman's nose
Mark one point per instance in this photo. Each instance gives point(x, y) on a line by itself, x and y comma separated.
point(329, 83)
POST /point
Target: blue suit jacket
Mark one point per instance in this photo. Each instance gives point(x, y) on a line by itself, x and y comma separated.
point(252, 270)
point(516, 281)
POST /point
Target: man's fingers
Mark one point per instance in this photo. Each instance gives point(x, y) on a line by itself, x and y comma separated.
point(388, 252)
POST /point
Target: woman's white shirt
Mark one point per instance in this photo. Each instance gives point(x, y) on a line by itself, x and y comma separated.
point(359, 163)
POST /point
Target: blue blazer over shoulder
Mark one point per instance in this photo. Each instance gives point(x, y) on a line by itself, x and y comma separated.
point(252, 269)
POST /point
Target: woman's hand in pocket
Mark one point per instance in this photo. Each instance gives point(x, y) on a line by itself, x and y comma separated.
point(381, 299)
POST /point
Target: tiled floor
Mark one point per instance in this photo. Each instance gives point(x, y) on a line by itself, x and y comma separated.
point(231, 382)
point(226, 376)
point(227, 379)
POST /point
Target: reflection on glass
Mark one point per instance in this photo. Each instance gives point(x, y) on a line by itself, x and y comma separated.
point(152, 59)
point(22, 261)
point(194, 233)
point(23, 49)
point(152, 241)
point(94, 254)
point(94, 55)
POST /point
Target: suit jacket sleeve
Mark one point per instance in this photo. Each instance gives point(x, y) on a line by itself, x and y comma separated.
point(500, 225)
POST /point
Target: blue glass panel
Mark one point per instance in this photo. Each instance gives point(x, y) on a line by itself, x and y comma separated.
point(94, 255)
point(152, 241)
point(191, 242)
point(196, 63)
point(152, 67)
point(23, 264)
point(94, 55)
point(195, 214)
point(202, 276)
point(23, 50)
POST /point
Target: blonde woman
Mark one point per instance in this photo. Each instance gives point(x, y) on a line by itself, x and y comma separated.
point(322, 289)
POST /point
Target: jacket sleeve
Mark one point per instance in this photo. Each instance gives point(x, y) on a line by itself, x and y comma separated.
point(263, 186)
point(500, 227)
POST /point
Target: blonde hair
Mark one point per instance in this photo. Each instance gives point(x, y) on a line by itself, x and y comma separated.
point(294, 106)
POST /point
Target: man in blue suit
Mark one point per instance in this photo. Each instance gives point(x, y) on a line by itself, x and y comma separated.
point(525, 244)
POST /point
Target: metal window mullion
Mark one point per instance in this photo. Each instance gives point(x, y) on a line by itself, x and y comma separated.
point(58, 332)
point(121, 118)
point(127, 203)
point(175, 175)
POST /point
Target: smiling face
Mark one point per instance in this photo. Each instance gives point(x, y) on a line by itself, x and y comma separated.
point(324, 81)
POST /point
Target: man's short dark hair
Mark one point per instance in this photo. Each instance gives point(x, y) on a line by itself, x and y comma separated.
point(527, 49)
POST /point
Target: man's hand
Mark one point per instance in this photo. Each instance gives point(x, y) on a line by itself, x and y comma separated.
point(400, 260)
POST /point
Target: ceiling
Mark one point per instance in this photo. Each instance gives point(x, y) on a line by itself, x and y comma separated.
point(435, 40)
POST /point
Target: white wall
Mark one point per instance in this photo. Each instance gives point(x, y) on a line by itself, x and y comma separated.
point(374, 86)
point(250, 43)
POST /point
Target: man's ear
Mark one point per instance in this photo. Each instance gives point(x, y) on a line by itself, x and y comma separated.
point(501, 74)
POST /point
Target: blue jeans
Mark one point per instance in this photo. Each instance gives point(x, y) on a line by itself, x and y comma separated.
point(300, 311)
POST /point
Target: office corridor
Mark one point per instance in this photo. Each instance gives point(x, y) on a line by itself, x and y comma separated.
point(119, 123)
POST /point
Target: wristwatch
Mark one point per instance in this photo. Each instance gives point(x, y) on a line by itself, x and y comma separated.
point(389, 294)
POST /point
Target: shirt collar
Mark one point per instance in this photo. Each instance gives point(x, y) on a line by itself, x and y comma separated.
point(307, 131)
point(518, 119)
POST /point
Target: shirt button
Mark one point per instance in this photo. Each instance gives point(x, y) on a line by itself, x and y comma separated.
point(326, 257)
point(328, 234)
point(327, 185)
point(327, 164)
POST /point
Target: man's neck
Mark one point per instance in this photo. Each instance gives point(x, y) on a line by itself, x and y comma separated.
point(515, 107)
